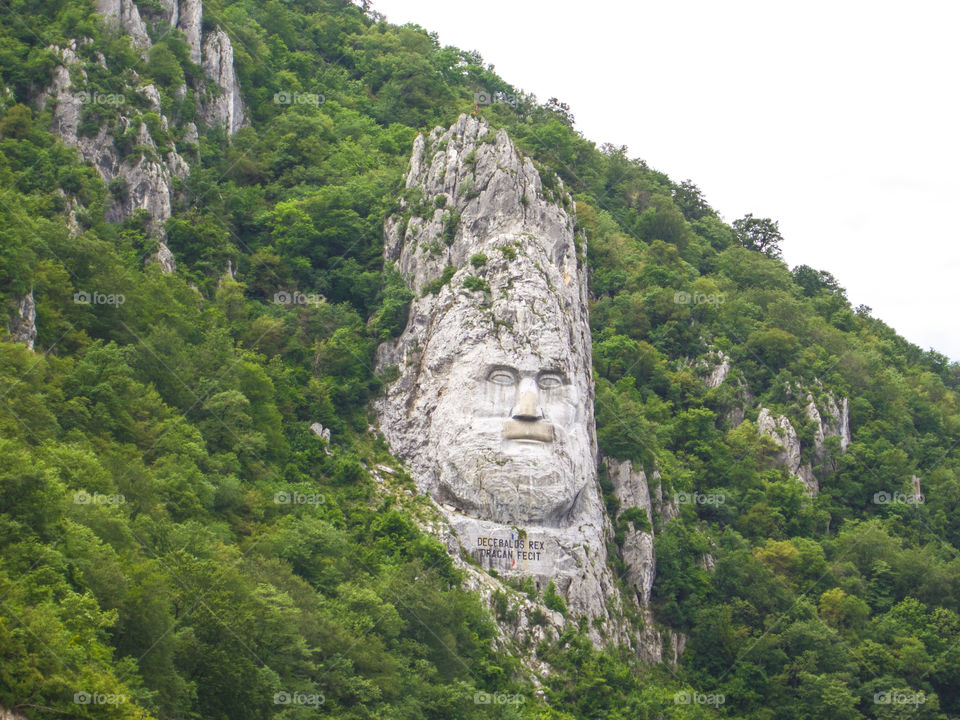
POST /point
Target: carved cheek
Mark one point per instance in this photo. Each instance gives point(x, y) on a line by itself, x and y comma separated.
point(559, 408)
point(491, 399)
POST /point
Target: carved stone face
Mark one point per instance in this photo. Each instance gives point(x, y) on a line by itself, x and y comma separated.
point(493, 407)
point(509, 429)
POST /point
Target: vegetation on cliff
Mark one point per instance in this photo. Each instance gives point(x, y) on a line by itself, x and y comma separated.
point(174, 534)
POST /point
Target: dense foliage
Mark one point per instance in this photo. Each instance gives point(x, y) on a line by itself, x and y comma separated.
point(173, 533)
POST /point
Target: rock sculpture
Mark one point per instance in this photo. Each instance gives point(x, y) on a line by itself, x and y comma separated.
point(493, 407)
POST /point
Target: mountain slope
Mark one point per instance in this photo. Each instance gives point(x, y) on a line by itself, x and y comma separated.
point(174, 533)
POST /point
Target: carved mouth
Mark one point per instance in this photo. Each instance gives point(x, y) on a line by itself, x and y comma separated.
point(534, 431)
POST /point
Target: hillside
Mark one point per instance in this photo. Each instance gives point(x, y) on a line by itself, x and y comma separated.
point(201, 515)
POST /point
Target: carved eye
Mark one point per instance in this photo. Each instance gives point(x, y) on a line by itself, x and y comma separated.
point(549, 381)
point(501, 377)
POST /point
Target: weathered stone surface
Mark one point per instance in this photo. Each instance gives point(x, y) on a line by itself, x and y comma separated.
point(148, 178)
point(226, 109)
point(152, 95)
point(781, 431)
point(719, 372)
point(190, 21)
point(631, 489)
point(493, 407)
point(320, 431)
point(171, 11)
point(23, 320)
point(834, 421)
point(838, 421)
point(677, 642)
point(190, 135)
point(123, 14)
point(667, 508)
point(66, 113)
point(165, 258)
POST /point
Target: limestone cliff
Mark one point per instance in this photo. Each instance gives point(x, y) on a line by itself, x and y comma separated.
point(146, 176)
point(23, 320)
point(830, 418)
point(492, 410)
point(226, 107)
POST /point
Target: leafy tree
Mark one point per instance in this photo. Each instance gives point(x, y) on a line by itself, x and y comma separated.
point(761, 234)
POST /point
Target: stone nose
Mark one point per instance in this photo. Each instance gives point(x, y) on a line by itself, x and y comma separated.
point(527, 407)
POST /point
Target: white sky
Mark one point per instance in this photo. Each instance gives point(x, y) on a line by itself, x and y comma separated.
point(839, 119)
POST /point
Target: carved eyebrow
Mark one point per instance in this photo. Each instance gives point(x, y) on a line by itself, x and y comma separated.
point(553, 370)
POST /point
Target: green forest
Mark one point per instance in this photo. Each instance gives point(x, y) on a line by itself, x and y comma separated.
point(176, 541)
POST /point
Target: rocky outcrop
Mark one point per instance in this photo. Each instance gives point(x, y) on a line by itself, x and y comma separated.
point(719, 372)
point(781, 431)
point(226, 108)
point(320, 431)
point(833, 421)
point(631, 489)
point(124, 15)
point(23, 320)
point(147, 178)
point(190, 22)
point(165, 258)
point(492, 410)
point(665, 508)
point(830, 419)
point(153, 96)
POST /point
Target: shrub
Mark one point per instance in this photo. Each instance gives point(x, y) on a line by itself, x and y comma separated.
point(552, 599)
point(472, 282)
point(433, 287)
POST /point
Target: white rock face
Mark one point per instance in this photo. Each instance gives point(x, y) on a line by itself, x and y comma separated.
point(834, 421)
point(838, 422)
point(720, 371)
point(781, 431)
point(171, 11)
point(320, 431)
point(152, 95)
point(225, 110)
point(148, 178)
point(124, 14)
point(493, 408)
point(630, 487)
point(190, 21)
point(23, 322)
point(165, 259)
